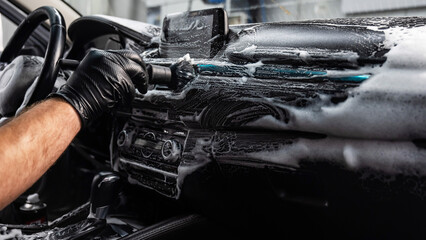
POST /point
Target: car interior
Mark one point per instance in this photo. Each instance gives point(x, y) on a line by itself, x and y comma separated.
point(252, 144)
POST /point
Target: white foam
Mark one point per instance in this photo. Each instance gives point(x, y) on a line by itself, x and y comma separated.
point(390, 105)
point(150, 95)
point(304, 55)
point(249, 50)
point(251, 67)
point(10, 234)
point(392, 157)
point(251, 29)
point(243, 80)
point(186, 58)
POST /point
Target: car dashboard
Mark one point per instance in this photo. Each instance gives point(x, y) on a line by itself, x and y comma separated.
point(293, 123)
point(240, 113)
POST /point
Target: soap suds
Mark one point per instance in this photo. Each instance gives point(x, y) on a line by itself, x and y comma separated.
point(167, 94)
point(392, 157)
point(249, 50)
point(251, 67)
point(304, 55)
point(6, 234)
point(187, 58)
point(390, 105)
point(243, 80)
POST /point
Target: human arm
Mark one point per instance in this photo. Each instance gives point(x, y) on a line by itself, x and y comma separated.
point(32, 142)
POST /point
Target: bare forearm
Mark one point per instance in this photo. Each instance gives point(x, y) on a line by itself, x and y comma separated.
point(31, 143)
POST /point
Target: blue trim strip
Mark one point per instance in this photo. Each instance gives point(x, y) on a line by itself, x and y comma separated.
point(281, 72)
point(359, 78)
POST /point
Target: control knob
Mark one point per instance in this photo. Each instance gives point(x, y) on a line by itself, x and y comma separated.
point(171, 151)
point(123, 139)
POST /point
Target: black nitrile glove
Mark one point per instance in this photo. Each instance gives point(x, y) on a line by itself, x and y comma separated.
point(103, 80)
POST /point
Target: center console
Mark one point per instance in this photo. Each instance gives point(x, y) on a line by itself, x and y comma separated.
point(148, 149)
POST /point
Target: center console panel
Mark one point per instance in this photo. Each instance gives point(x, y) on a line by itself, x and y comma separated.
point(148, 148)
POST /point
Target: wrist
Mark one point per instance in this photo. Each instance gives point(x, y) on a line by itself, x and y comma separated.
point(59, 102)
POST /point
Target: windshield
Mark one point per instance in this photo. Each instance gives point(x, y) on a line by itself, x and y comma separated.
point(251, 11)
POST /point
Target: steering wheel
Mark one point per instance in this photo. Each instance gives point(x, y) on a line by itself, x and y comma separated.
point(55, 49)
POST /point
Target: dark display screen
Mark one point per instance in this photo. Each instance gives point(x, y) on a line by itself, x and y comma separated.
point(199, 33)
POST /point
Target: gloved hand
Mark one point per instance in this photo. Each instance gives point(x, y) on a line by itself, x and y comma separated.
point(103, 80)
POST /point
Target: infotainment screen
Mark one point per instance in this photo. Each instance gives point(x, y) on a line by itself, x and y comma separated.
point(199, 33)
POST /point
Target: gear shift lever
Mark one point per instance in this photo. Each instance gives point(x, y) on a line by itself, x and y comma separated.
point(105, 187)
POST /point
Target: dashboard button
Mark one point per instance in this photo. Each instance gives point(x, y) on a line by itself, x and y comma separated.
point(171, 150)
point(150, 136)
point(122, 138)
